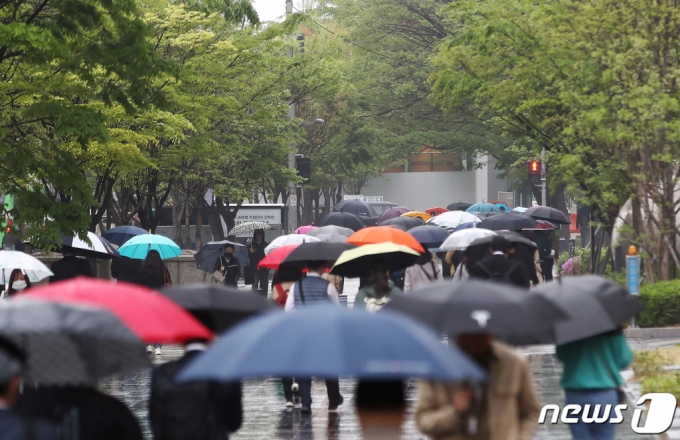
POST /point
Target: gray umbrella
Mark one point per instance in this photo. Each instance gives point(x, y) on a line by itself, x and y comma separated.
point(68, 344)
point(331, 229)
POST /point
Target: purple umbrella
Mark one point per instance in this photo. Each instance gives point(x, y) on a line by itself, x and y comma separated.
point(391, 213)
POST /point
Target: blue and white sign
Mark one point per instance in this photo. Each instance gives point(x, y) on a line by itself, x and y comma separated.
point(633, 274)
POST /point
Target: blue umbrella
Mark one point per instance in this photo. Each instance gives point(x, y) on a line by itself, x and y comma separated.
point(331, 341)
point(137, 247)
point(120, 234)
point(466, 226)
point(206, 257)
point(429, 236)
point(483, 207)
point(503, 207)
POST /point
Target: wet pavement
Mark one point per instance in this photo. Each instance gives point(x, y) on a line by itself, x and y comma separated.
point(266, 418)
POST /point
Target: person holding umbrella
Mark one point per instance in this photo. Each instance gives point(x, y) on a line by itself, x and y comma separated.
point(309, 291)
point(379, 289)
point(69, 267)
point(497, 267)
point(256, 254)
point(228, 266)
point(424, 271)
point(18, 282)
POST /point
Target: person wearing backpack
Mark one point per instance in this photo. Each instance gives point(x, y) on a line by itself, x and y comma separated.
point(425, 271)
point(498, 268)
point(378, 291)
point(312, 290)
point(194, 410)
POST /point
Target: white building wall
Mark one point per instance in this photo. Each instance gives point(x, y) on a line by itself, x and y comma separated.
point(421, 191)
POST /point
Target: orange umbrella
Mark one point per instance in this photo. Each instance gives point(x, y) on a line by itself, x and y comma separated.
point(384, 234)
point(436, 211)
point(424, 216)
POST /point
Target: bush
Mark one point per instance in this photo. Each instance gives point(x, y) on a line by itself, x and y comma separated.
point(649, 363)
point(662, 383)
point(662, 304)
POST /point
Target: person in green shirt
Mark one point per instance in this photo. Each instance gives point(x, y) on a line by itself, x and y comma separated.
point(591, 376)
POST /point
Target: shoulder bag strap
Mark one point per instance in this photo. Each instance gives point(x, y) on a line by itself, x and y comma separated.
point(302, 294)
point(427, 275)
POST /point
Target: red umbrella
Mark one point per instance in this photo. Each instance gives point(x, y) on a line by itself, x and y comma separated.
point(437, 210)
point(274, 259)
point(150, 315)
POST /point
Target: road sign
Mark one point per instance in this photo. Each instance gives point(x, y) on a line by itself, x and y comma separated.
point(358, 197)
point(633, 274)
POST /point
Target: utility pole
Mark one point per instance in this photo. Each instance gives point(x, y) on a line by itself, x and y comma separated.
point(543, 180)
point(292, 196)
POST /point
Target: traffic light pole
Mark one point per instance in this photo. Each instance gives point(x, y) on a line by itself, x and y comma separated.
point(292, 196)
point(544, 195)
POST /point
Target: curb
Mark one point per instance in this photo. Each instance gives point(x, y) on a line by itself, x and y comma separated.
point(653, 333)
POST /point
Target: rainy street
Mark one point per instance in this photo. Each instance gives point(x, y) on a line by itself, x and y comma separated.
point(266, 418)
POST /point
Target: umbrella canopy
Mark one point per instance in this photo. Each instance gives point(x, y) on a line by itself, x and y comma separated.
point(304, 229)
point(331, 229)
point(275, 258)
point(332, 238)
point(481, 307)
point(138, 247)
point(248, 228)
point(483, 207)
point(593, 303)
point(542, 225)
point(395, 212)
point(287, 240)
point(219, 307)
point(453, 219)
point(358, 262)
point(510, 222)
point(458, 206)
point(331, 341)
point(120, 234)
point(503, 207)
point(100, 247)
point(344, 219)
point(70, 344)
point(384, 234)
point(429, 236)
point(460, 240)
point(150, 315)
point(485, 215)
point(437, 210)
point(210, 252)
point(424, 216)
point(319, 251)
point(519, 209)
point(34, 269)
point(513, 237)
point(354, 207)
point(547, 213)
point(467, 225)
point(403, 223)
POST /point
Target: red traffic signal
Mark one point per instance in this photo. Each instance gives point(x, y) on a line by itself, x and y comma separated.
point(534, 167)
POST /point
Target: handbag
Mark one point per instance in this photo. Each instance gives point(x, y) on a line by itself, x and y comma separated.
point(248, 276)
point(218, 276)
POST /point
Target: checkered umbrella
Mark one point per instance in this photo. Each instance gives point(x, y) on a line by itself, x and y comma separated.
point(248, 228)
point(70, 344)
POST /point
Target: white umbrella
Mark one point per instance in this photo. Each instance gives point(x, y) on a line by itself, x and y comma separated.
point(99, 247)
point(34, 269)
point(453, 219)
point(248, 228)
point(460, 240)
point(285, 240)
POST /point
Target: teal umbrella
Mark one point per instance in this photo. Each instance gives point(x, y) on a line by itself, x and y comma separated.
point(483, 207)
point(137, 247)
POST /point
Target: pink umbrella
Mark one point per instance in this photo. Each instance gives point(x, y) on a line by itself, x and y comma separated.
point(391, 213)
point(304, 229)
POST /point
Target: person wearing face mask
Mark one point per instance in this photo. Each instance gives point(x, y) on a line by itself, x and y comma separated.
point(18, 282)
point(229, 266)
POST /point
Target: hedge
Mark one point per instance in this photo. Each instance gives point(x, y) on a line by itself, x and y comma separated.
point(662, 304)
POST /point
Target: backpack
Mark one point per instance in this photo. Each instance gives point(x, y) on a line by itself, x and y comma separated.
point(185, 411)
point(398, 277)
point(499, 277)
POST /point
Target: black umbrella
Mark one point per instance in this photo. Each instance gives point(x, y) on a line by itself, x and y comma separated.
point(513, 237)
point(344, 219)
point(594, 304)
point(403, 223)
point(429, 236)
point(218, 307)
point(98, 247)
point(484, 215)
point(206, 257)
point(511, 222)
point(317, 251)
point(458, 206)
point(359, 261)
point(354, 207)
point(547, 213)
point(475, 306)
point(120, 234)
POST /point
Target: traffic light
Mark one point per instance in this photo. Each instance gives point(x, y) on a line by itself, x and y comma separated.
point(304, 168)
point(534, 171)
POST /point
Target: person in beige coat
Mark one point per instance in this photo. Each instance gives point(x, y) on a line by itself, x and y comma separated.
point(425, 271)
point(505, 408)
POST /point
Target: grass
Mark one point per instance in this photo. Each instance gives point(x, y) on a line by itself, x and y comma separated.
point(648, 366)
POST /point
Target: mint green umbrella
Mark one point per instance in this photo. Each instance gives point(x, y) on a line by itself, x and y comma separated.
point(137, 247)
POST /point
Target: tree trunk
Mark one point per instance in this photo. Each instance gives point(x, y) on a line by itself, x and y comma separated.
point(176, 216)
point(199, 225)
point(187, 216)
point(308, 208)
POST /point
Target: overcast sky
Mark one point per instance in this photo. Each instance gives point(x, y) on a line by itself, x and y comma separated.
point(270, 10)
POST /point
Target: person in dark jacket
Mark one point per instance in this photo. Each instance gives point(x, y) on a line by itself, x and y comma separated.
point(126, 269)
point(69, 267)
point(153, 273)
point(229, 266)
point(196, 410)
point(93, 414)
point(256, 254)
point(498, 267)
point(12, 425)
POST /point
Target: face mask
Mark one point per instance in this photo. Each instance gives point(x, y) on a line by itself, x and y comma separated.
point(19, 285)
point(228, 255)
